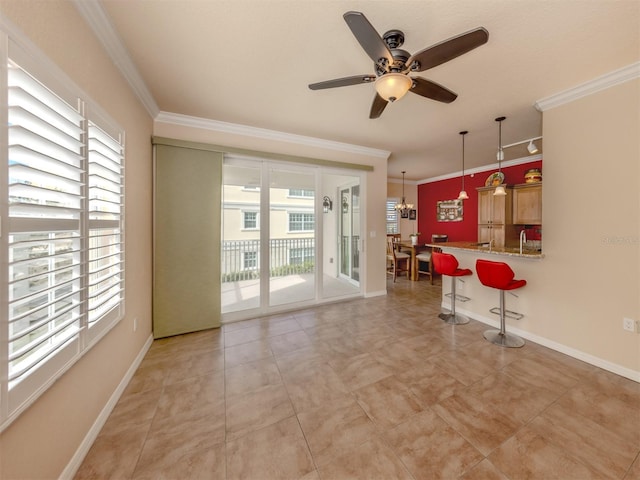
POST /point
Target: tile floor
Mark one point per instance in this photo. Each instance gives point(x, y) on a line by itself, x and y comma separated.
point(371, 389)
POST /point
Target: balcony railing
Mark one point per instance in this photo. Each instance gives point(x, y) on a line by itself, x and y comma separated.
point(240, 259)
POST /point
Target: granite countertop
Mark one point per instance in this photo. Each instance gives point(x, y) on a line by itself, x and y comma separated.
point(484, 248)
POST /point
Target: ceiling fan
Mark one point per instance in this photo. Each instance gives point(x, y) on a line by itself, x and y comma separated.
point(393, 65)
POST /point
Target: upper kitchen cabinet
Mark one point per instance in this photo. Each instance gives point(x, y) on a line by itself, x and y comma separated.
point(527, 204)
point(494, 215)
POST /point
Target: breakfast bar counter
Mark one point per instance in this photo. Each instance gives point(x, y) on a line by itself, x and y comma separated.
point(484, 248)
point(482, 299)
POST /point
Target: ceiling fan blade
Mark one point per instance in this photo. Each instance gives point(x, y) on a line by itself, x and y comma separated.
point(343, 82)
point(368, 37)
point(432, 90)
point(447, 50)
point(378, 106)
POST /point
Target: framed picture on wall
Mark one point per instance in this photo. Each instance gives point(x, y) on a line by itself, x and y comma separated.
point(404, 213)
point(449, 211)
point(412, 214)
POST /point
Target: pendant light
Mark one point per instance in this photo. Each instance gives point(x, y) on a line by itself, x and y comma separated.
point(463, 194)
point(403, 207)
point(500, 191)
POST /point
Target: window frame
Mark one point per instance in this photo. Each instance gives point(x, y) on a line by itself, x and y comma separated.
point(304, 193)
point(255, 261)
point(16, 396)
point(304, 222)
point(393, 225)
point(256, 220)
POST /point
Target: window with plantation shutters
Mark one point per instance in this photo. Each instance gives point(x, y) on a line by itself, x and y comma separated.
point(392, 216)
point(62, 233)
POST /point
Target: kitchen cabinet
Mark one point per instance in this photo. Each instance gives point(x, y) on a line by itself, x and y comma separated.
point(527, 204)
point(494, 215)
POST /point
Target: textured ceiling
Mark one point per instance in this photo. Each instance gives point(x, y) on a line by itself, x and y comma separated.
point(249, 62)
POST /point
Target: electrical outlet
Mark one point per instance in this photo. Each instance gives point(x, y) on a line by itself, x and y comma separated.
point(628, 324)
point(135, 324)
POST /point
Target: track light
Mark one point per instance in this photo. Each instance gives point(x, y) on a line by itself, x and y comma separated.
point(532, 147)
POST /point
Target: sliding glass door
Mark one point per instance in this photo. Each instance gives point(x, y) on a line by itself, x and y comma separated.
point(292, 229)
point(350, 233)
point(280, 247)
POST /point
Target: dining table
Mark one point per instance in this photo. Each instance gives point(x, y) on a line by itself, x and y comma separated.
point(414, 249)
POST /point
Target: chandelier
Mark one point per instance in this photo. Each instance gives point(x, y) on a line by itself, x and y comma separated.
point(403, 207)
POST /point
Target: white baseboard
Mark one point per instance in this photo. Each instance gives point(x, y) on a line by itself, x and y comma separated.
point(375, 294)
point(558, 347)
point(75, 462)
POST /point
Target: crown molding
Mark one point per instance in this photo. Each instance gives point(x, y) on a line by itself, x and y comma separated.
point(255, 132)
point(98, 20)
point(473, 171)
point(603, 82)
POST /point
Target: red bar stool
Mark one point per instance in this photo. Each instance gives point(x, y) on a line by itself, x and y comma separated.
point(447, 264)
point(499, 275)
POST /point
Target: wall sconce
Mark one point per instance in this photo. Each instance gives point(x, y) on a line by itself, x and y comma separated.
point(327, 204)
point(345, 205)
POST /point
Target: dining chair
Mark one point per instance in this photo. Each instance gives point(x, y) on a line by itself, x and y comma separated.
point(397, 261)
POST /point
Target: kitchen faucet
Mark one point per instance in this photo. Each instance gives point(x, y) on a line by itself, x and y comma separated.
point(523, 239)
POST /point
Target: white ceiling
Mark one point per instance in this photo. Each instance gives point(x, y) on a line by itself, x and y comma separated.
point(249, 62)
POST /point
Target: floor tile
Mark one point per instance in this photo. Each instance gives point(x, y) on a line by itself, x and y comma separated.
point(289, 342)
point(360, 370)
point(335, 427)
point(602, 450)
point(388, 402)
point(249, 377)
point(278, 451)
point(246, 353)
point(371, 460)
point(430, 448)
point(461, 366)
point(430, 384)
point(260, 408)
point(481, 424)
point(321, 386)
point(114, 454)
point(184, 459)
point(528, 455)
point(485, 470)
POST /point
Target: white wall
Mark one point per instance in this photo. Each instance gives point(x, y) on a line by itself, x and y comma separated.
point(591, 221)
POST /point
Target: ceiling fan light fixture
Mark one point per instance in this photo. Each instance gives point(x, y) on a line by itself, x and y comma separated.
point(532, 147)
point(393, 86)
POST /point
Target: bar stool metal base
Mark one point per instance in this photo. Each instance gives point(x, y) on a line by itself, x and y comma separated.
point(503, 339)
point(459, 298)
point(454, 318)
point(507, 313)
